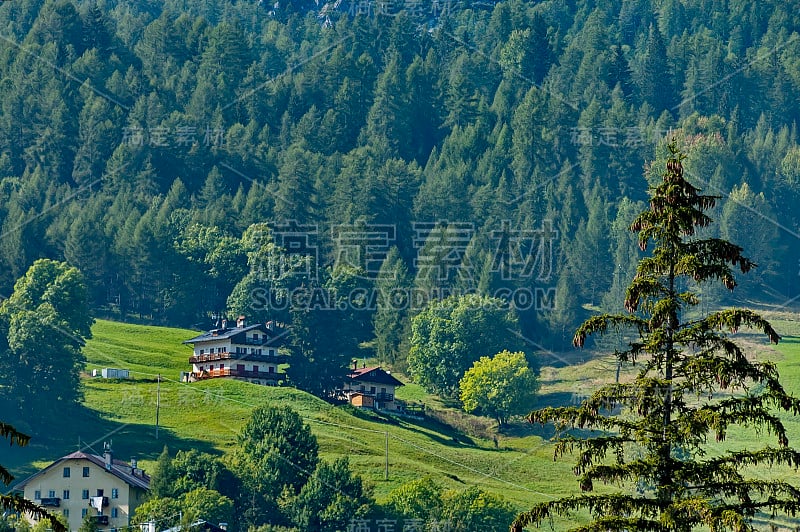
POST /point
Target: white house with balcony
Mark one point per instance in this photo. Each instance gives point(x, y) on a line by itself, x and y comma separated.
point(244, 352)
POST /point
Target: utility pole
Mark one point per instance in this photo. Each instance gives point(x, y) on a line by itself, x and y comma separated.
point(158, 401)
point(618, 275)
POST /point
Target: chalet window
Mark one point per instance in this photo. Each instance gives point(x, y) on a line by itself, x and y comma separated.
point(255, 368)
point(255, 336)
point(84, 511)
point(65, 512)
point(371, 389)
point(272, 369)
point(99, 493)
point(211, 351)
point(66, 472)
point(85, 471)
point(52, 494)
point(37, 495)
point(65, 495)
point(85, 494)
point(114, 493)
point(202, 351)
point(114, 513)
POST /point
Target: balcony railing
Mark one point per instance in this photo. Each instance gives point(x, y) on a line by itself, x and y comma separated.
point(211, 357)
point(52, 502)
point(228, 372)
point(100, 519)
point(380, 397)
point(250, 341)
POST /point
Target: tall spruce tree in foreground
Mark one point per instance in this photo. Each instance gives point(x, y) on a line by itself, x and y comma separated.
point(16, 503)
point(694, 383)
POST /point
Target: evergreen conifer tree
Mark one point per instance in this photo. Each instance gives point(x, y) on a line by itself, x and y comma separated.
point(694, 383)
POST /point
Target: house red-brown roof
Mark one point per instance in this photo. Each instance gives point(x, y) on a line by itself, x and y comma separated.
point(374, 374)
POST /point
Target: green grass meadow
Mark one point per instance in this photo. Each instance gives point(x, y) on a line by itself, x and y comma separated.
point(207, 416)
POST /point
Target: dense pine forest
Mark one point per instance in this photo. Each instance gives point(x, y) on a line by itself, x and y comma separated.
point(192, 157)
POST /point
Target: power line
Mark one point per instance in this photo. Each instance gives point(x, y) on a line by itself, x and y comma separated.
point(344, 426)
point(472, 469)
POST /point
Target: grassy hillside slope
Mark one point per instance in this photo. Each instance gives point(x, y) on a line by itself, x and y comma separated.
point(208, 415)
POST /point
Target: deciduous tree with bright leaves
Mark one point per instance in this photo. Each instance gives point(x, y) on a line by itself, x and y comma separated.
point(499, 387)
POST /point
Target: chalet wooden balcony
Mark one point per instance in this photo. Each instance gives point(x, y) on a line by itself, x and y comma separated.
point(250, 341)
point(233, 372)
point(380, 397)
point(211, 357)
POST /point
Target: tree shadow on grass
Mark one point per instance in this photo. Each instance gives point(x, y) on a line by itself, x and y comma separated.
point(80, 428)
point(548, 431)
point(557, 399)
point(437, 431)
point(434, 429)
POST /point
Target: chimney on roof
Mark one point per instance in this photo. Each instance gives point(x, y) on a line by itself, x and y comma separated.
point(133, 466)
point(224, 323)
point(107, 454)
point(355, 365)
point(240, 322)
point(270, 325)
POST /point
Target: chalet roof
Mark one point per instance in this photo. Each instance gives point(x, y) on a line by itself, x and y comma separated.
point(275, 334)
point(119, 469)
point(374, 374)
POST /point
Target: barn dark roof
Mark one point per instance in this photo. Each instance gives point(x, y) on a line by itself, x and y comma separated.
point(273, 333)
